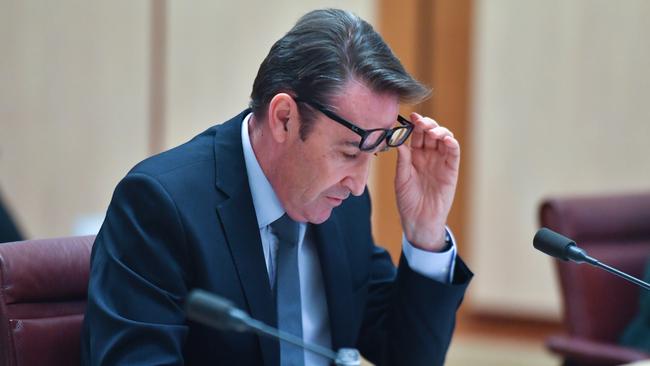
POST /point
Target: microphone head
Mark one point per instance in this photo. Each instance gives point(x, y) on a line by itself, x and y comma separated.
point(553, 244)
point(206, 308)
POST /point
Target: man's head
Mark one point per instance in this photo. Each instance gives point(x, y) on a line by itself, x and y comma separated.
point(334, 59)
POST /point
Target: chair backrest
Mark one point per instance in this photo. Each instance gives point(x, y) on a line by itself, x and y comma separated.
point(43, 285)
point(615, 230)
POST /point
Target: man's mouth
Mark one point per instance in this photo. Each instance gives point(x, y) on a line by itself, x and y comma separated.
point(335, 200)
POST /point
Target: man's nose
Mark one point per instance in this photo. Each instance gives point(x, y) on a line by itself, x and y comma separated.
point(357, 179)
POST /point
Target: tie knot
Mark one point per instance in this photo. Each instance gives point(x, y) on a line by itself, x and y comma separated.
point(286, 230)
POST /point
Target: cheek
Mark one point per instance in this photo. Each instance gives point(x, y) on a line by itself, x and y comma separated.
point(300, 176)
point(317, 170)
point(325, 173)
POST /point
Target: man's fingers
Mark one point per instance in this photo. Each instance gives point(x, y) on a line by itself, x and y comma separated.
point(403, 164)
point(430, 140)
point(439, 133)
point(421, 125)
point(452, 145)
point(434, 137)
point(424, 128)
point(417, 138)
point(424, 123)
point(428, 134)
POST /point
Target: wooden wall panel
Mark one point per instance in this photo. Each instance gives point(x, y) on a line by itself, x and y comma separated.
point(398, 28)
point(432, 39)
point(450, 54)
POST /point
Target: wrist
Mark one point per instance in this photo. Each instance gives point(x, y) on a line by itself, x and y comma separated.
point(442, 243)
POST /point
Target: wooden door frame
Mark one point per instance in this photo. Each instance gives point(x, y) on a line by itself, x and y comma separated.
point(432, 38)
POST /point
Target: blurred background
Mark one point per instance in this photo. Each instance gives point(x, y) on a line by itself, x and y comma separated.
point(547, 97)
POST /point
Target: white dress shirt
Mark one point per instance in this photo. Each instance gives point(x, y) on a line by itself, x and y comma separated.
point(315, 318)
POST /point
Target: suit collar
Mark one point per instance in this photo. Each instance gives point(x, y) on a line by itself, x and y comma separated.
point(229, 157)
point(267, 205)
point(239, 223)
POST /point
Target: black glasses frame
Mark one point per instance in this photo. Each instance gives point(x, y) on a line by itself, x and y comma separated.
point(387, 132)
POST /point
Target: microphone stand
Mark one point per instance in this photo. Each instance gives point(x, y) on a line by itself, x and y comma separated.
point(559, 246)
point(212, 310)
point(623, 275)
point(263, 329)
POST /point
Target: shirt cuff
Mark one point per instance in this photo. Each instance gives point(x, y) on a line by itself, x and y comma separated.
point(438, 266)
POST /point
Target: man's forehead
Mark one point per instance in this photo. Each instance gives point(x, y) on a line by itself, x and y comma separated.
point(365, 108)
point(369, 120)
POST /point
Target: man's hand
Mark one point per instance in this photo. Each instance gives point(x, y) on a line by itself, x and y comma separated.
point(425, 183)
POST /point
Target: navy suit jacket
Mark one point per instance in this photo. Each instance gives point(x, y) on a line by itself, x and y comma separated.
point(184, 219)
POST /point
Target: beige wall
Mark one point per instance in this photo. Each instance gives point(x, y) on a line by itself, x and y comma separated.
point(73, 107)
point(560, 107)
point(74, 91)
point(215, 48)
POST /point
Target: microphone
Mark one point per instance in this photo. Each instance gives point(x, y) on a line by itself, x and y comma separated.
point(559, 246)
point(217, 312)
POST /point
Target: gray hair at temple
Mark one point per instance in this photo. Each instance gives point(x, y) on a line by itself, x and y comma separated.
point(324, 50)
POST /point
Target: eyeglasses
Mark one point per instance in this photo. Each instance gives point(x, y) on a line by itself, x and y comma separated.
point(370, 139)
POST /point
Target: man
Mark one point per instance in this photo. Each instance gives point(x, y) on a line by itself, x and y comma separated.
point(271, 211)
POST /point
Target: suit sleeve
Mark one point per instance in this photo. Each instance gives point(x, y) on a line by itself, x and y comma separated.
point(138, 281)
point(409, 319)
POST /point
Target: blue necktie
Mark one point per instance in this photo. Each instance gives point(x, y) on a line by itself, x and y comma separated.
point(287, 287)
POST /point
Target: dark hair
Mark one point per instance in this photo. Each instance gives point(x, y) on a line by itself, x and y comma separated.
point(319, 54)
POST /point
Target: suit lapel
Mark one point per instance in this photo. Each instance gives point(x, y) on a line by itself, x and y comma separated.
point(335, 268)
point(239, 222)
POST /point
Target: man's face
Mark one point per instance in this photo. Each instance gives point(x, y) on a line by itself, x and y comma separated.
point(316, 175)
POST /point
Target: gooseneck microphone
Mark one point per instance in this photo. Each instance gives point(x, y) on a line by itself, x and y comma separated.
point(217, 312)
point(559, 246)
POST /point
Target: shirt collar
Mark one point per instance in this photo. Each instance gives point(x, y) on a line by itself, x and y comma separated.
point(266, 203)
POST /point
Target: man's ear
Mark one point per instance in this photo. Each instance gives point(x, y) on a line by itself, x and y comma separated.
point(282, 117)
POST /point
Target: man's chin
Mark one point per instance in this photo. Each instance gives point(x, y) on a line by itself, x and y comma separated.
point(320, 217)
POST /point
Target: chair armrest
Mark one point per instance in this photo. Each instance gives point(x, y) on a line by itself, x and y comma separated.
point(585, 351)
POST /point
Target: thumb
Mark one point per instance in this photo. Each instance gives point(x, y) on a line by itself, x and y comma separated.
point(403, 165)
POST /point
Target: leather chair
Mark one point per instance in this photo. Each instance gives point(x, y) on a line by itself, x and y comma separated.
point(43, 286)
point(597, 305)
